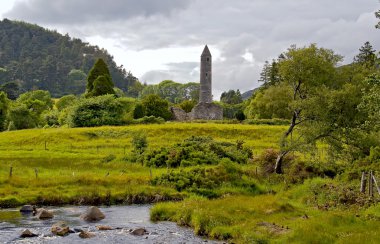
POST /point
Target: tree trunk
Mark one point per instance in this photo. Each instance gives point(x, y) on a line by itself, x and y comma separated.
point(279, 161)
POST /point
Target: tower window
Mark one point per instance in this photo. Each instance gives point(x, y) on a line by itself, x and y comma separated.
point(208, 59)
point(206, 74)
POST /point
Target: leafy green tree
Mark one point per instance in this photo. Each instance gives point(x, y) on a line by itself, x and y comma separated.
point(99, 81)
point(270, 74)
point(231, 97)
point(157, 107)
point(377, 14)
point(305, 70)
point(4, 103)
point(66, 101)
point(270, 103)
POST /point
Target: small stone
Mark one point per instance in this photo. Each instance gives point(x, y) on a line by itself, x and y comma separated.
point(60, 228)
point(86, 234)
point(26, 209)
point(93, 214)
point(27, 233)
point(44, 214)
point(78, 230)
point(139, 232)
point(104, 227)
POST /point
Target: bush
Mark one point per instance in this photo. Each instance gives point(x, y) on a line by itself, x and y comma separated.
point(66, 101)
point(196, 151)
point(98, 111)
point(51, 117)
point(139, 111)
point(157, 107)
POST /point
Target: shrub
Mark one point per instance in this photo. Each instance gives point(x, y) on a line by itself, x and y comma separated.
point(102, 110)
point(139, 111)
point(196, 151)
point(66, 101)
point(157, 107)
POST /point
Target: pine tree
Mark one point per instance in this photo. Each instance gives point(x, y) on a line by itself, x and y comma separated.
point(366, 56)
point(99, 81)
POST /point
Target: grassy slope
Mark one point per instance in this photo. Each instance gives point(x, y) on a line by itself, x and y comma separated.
point(73, 168)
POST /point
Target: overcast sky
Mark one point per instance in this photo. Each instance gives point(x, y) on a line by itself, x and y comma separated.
point(163, 39)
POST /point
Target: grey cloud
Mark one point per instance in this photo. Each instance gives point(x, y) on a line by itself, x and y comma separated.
point(263, 27)
point(91, 11)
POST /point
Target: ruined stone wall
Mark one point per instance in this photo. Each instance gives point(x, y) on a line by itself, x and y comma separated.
point(207, 111)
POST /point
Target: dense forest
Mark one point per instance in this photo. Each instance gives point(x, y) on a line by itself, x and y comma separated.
point(32, 58)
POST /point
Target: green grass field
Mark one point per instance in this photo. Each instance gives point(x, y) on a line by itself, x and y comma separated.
point(94, 166)
point(73, 165)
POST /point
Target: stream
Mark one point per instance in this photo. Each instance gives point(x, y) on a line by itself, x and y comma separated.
point(124, 218)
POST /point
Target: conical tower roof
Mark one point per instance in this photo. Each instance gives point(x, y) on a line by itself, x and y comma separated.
point(206, 51)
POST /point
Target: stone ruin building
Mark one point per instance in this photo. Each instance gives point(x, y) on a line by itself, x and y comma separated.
point(205, 109)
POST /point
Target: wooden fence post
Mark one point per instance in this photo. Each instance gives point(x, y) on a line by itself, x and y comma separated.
point(363, 183)
point(36, 172)
point(377, 186)
point(10, 171)
point(370, 184)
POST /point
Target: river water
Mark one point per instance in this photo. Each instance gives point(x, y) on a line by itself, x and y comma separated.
point(124, 218)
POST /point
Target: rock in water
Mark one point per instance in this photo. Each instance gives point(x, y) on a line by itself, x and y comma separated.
point(86, 234)
point(60, 228)
point(139, 232)
point(26, 209)
point(93, 214)
point(104, 227)
point(27, 233)
point(44, 214)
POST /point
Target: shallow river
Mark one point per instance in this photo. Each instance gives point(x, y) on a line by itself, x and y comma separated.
point(12, 223)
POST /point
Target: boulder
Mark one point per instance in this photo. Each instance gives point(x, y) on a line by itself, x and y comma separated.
point(93, 214)
point(44, 214)
point(27, 233)
point(85, 234)
point(104, 227)
point(139, 232)
point(26, 209)
point(60, 228)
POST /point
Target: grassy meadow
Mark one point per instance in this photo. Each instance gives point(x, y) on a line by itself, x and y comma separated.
point(93, 165)
point(96, 166)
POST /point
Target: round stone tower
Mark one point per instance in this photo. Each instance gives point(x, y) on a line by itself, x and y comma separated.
point(205, 95)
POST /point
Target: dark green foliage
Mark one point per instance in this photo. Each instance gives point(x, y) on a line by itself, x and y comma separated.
point(99, 69)
point(99, 80)
point(98, 111)
point(197, 151)
point(12, 89)
point(139, 111)
point(3, 109)
point(46, 59)
point(21, 117)
point(207, 181)
point(239, 115)
point(230, 110)
point(366, 56)
point(157, 107)
point(231, 97)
